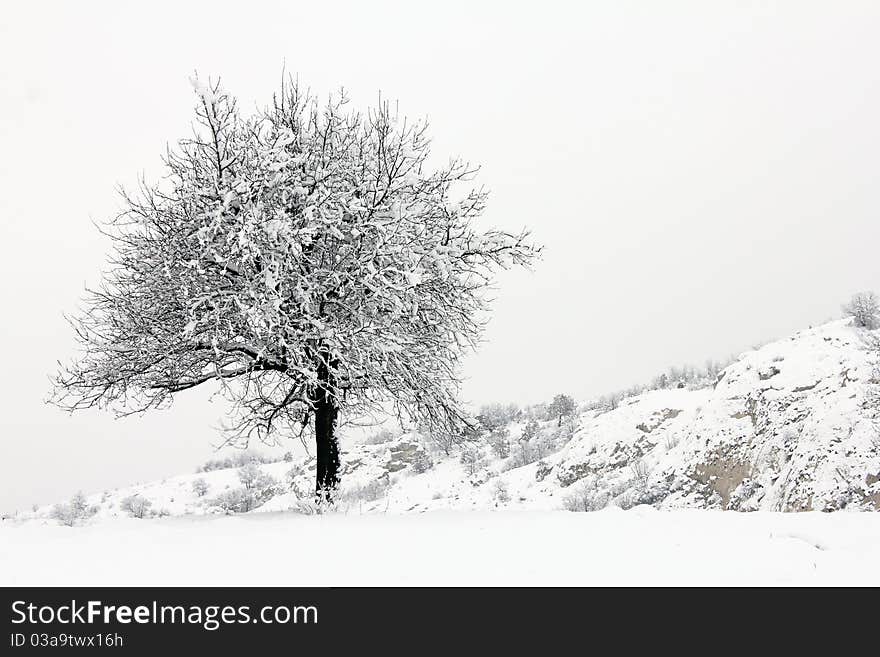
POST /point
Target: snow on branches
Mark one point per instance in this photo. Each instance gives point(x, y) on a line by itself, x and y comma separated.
point(306, 249)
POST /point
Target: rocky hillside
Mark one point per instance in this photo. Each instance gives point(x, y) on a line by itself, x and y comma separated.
point(784, 428)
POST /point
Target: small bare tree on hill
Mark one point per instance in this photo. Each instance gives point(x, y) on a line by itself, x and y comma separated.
point(864, 308)
point(562, 407)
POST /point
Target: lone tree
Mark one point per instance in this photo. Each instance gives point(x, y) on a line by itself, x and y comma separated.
point(308, 259)
point(562, 406)
point(864, 308)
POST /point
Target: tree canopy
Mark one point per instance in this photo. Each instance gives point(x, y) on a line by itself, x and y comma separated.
point(305, 251)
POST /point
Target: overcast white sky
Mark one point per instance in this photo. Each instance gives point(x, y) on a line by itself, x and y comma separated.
point(703, 175)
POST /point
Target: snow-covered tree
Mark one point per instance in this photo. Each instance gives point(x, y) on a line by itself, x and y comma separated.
point(530, 431)
point(80, 504)
point(500, 442)
point(136, 505)
point(561, 407)
point(237, 500)
point(70, 513)
point(495, 416)
point(200, 487)
point(252, 477)
point(473, 459)
point(249, 474)
point(65, 514)
point(309, 259)
point(864, 308)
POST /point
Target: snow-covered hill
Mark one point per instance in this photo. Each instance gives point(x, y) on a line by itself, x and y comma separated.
point(784, 428)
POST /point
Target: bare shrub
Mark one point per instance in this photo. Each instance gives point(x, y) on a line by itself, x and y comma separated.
point(252, 477)
point(442, 440)
point(65, 514)
point(422, 462)
point(626, 500)
point(309, 506)
point(369, 492)
point(585, 496)
point(236, 500)
point(71, 513)
point(136, 506)
point(256, 489)
point(200, 487)
point(307, 503)
point(641, 473)
point(500, 493)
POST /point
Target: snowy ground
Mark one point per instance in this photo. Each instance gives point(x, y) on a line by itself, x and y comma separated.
point(641, 546)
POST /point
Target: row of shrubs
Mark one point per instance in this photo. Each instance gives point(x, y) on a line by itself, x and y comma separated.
point(593, 493)
point(78, 509)
point(240, 459)
point(531, 446)
point(257, 487)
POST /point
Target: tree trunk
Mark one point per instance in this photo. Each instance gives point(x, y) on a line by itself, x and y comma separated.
point(326, 446)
